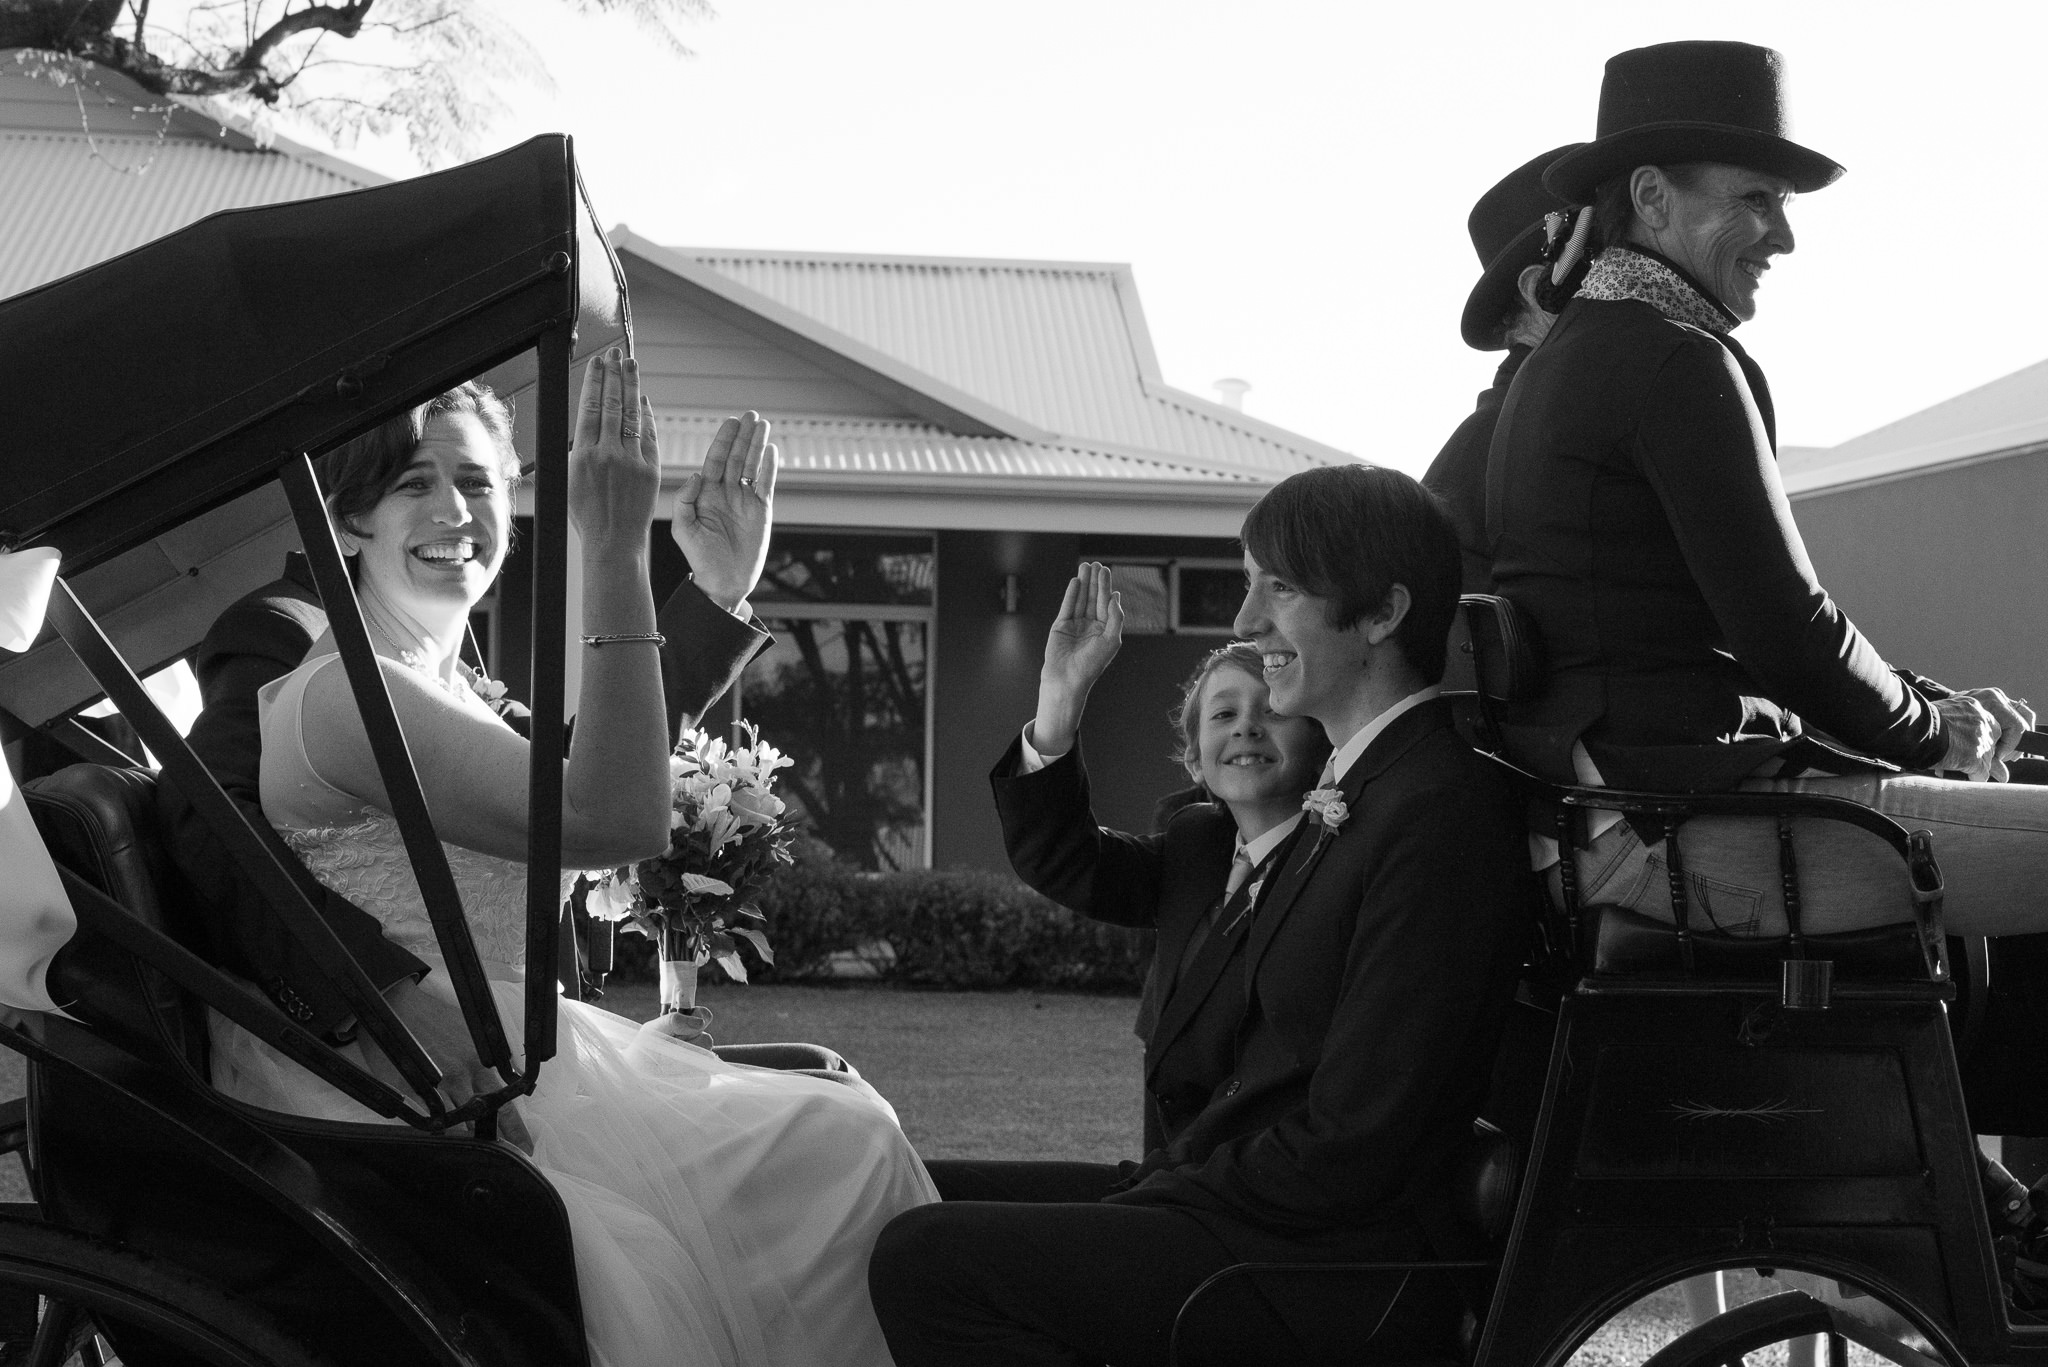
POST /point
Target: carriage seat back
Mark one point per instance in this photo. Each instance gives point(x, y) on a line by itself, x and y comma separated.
point(1485, 1182)
point(100, 822)
point(1494, 651)
point(1628, 942)
point(1494, 657)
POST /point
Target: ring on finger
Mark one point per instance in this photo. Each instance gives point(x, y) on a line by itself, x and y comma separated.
point(745, 482)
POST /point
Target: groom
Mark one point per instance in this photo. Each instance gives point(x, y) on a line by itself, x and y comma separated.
point(1359, 1002)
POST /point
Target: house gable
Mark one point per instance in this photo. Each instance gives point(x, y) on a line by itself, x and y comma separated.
point(694, 358)
point(923, 397)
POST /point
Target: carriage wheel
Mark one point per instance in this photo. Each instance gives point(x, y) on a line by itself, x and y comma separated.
point(1723, 1340)
point(63, 1294)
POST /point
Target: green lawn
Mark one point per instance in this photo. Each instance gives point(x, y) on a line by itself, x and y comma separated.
point(971, 1074)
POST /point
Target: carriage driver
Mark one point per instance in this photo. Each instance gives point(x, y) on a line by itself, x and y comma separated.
point(1638, 520)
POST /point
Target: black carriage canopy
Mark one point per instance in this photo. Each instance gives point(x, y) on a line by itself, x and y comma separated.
point(158, 419)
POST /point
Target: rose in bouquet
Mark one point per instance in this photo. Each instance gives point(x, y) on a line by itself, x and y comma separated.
point(727, 834)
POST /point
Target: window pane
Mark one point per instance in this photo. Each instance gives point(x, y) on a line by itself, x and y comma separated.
point(835, 567)
point(1210, 597)
point(1144, 594)
point(845, 698)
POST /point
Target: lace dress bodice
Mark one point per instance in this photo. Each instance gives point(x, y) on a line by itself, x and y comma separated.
point(366, 862)
point(358, 851)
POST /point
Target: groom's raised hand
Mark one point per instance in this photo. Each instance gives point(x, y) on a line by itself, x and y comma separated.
point(726, 510)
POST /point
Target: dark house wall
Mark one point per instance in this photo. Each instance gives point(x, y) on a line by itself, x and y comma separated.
point(985, 671)
point(1946, 573)
point(985, 675)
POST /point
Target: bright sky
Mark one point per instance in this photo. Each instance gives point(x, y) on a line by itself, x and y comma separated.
point(1290, 178)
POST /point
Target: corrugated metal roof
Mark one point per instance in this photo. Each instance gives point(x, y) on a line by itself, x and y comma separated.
point(2006, 416)
point(65, 209)
point(1062, 345)
point(829, 448)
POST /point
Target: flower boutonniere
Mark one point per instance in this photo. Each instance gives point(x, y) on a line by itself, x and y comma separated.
point(1327, 806)
point(492, 691)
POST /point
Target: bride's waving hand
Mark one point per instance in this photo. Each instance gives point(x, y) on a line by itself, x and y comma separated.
point(432, 536)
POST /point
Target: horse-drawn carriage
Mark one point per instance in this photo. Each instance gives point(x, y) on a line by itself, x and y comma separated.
point(1708, 1104)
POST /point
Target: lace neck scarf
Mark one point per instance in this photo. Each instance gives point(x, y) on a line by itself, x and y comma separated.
point(1623, 273)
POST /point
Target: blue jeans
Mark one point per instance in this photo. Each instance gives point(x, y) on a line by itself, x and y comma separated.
point(1991, 840)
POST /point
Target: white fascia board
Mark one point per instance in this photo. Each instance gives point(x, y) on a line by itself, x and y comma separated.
point(1125, 507)
point(991, 263)
point(953, 511)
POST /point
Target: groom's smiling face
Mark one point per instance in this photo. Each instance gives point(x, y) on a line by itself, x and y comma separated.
point(440, 531)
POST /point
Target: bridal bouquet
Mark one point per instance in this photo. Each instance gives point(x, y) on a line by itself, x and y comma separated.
point(726, 835)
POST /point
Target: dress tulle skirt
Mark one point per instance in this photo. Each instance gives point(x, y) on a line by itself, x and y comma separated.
point(721, 1214)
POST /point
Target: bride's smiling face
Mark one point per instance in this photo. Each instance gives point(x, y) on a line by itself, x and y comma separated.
point(438, 536)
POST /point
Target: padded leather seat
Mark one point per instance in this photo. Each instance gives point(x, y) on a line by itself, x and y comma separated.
point(100, 822)
point(1625, 941)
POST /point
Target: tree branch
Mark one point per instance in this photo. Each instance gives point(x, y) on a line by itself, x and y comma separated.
point(346, 20)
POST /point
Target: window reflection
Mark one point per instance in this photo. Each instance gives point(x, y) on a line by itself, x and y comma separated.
point(845, 698)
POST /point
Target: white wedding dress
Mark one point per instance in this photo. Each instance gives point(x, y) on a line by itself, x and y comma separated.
point(721, 1214)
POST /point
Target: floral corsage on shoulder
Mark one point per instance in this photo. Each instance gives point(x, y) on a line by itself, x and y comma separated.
point(491, 690)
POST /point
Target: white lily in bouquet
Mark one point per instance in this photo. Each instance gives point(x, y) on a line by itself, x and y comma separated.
point(727, 834)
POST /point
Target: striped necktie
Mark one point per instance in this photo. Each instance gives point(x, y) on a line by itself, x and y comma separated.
point(1240, 869)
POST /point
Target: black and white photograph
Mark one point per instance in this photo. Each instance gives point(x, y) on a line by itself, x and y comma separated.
point(1306, 684)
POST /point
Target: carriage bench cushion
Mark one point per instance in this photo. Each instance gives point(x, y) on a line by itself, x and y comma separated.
point(1625, 942)
point(100, 822)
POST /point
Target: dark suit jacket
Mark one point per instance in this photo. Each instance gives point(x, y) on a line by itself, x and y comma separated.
point(1458, 474)
point(1165, 882)
point(263, 637)
point(1638, 519)
point(1369, 990)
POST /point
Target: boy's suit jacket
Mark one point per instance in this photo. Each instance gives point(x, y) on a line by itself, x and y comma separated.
point(264, 636)
point(1369, 989)
point(1168, 882)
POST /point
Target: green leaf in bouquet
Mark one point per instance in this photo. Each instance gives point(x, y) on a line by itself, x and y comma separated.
point(757, 940)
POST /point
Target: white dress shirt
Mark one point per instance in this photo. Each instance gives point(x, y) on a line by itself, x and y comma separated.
point(1347, 754)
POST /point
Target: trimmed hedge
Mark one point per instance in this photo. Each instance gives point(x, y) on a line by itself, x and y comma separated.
point(951, 928)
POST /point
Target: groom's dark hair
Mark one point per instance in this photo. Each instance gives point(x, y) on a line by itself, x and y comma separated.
point(357, 474)
point(1349, 533)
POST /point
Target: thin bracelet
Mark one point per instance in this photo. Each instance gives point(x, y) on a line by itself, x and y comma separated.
point(607, 639)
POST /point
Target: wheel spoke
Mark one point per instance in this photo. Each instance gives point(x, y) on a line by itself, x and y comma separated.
point(53, 1335)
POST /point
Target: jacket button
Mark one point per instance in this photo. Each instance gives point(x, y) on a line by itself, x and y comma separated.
point(1231, 1090)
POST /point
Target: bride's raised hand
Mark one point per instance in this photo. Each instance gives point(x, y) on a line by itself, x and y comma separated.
point(614, 460)
point(725, 510)
point(1085, 637)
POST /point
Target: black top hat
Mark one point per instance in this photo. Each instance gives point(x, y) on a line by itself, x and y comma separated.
point(1681, 102)
point(1507, 232)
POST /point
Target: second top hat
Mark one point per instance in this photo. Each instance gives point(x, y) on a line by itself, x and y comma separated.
point(1685, 102)
point(1507, 231)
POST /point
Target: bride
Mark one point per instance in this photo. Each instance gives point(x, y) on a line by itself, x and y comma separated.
point(720, 1213)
